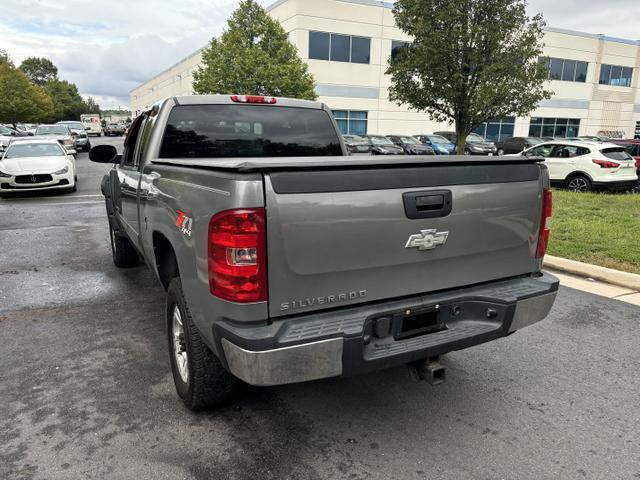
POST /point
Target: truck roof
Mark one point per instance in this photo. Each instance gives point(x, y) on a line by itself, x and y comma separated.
point(226, 100)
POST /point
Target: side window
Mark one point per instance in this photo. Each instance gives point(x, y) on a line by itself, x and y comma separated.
point(130, 141)
point(541, 151)
point(143, 139)
point(568, 151)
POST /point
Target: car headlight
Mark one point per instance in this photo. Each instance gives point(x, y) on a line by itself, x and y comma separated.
point(4, 175)
point(62, 171)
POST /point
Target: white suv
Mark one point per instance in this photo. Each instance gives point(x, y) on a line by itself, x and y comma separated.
point(585, 166)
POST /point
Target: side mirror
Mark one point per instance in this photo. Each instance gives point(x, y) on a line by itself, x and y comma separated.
point(71, 151)
point(104, 154)
point(87, 129)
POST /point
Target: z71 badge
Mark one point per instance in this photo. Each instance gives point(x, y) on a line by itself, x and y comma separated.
point(184, 223)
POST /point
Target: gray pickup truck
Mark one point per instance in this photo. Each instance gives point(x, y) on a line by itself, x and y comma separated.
point(285, 260)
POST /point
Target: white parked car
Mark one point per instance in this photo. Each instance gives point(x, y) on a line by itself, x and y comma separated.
point(584, 166)
point(37, 164)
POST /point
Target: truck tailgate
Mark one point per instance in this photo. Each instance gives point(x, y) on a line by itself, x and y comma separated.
point(337, 237)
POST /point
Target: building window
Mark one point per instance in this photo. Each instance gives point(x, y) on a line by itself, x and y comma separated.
point(565, 70)
point(615, 75)
point(396, 47)
point(496, 130)
point(339, 48)
point(319, 45)
point(351, 122)
point(554, 127)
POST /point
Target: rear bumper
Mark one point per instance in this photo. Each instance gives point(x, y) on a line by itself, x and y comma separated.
point(616, 185)
point(348, 342)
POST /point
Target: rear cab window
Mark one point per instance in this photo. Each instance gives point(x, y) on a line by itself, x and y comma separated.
point(232, 131)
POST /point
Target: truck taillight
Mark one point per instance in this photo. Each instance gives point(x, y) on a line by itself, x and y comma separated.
point(237, 255)
point(545, 223)
point(606, 163)
point(252, 99)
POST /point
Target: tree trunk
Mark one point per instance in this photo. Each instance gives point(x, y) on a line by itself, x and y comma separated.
point(461, 140)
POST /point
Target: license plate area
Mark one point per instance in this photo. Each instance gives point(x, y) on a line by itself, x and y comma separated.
point(413, 323)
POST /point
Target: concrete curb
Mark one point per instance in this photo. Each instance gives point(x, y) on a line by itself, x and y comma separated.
point(609, 275)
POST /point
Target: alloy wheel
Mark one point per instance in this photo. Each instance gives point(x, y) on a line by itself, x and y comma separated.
point(179, 344)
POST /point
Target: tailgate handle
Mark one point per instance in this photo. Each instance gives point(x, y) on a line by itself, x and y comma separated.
point(431, 204)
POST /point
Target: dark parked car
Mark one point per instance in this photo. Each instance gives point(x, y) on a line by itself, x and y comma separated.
point(411, 145)
point(357, 145)
point(516, 144)
point(381, 145)
point(439, 144)
point(475, 145)
point(595, 138)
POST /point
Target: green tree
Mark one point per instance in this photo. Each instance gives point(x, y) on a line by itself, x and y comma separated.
point(91, 106)
point(253, 57)
point(470, 61)
point(67, 102)
point(4, 57)
point(22, 101)
point(39, 70)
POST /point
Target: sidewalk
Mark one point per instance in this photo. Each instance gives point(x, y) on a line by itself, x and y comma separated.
point(602, 281)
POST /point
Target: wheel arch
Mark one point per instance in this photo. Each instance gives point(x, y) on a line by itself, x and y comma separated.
point(576, 173)
point(166, 261)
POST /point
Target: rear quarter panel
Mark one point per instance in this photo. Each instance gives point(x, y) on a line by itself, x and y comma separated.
point(200, 194)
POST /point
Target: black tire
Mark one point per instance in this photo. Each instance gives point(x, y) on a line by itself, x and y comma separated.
point(207, 384)
point(579, 183)
point(124, 254)
point(467, 151)
point(500, 152)
point(87, 147)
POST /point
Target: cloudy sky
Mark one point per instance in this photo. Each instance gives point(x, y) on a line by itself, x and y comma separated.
point(107, 47)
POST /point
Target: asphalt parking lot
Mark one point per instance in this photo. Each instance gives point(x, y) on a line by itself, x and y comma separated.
point(86, 388)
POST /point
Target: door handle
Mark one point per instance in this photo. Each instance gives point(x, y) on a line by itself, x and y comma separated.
point(429, 204)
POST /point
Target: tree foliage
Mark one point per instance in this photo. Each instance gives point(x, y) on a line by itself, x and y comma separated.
point(39, 70)
point(22, 101)
point(33, 93)
point(4, 57)
point(91, 106)
point(470, 61)
point(253, 57)
point(67, 102)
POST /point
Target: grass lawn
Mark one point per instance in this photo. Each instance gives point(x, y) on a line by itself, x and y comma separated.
point(598, 228)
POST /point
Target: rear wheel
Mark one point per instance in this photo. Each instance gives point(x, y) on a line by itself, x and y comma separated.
point(500, 152)
point(201, 380)
point(124, 255)
point(467, 151)
point(579, 183)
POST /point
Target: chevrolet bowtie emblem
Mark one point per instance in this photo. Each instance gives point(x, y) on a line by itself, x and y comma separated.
point(427, 239)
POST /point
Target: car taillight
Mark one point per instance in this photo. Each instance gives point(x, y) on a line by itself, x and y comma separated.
point(252, 99)
point(237, 255)
point(606, 163)
point(545, 223)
